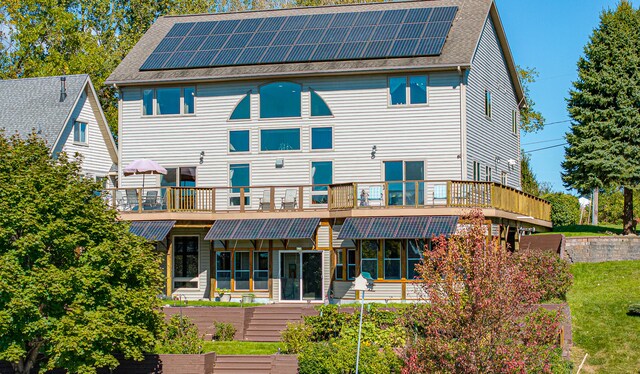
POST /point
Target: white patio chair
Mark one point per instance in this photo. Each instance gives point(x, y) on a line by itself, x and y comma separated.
point(265, 200)
point(290, 199)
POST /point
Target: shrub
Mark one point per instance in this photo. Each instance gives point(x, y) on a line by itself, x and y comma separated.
point(389, 337)
point(338, 356)
point(180, 337)
point(634, 309)
point(224, 331)
point(565, 208)
point(327, 324)
point(551, 274)
point(296, 337)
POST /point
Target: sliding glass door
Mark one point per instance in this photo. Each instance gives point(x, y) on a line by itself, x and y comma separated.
point(300, 276)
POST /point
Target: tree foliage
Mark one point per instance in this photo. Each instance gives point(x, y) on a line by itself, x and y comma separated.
point(565, 208)
point(528, 179)
point(531, 120)
point(604, 104)
point(180, 336)
point(480, 317)
point(75, 285)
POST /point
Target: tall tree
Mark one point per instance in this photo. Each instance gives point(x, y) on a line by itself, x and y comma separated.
point(528, 180)
point(531, 120)
point(604, 140)
point(75, 285)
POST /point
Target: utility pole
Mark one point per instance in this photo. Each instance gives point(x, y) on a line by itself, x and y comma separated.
point(594, 207)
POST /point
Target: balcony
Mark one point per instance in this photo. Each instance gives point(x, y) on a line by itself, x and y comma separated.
point(336, 200)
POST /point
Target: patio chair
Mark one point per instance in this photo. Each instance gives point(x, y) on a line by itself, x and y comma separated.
point(131, 202)
point(151, 201)
point(265, 200)
point(290, 199)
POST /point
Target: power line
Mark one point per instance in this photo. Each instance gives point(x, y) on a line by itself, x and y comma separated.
point(549, 147)
point(543, 141)
point(557, 122)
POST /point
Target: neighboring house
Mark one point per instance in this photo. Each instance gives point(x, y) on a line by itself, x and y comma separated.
point(66, 113)
point(304, 146)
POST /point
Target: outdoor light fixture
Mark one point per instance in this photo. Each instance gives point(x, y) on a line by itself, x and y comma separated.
point(374, 149)
point(279, 163)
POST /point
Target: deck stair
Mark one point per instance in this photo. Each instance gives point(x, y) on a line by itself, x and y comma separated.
point(273, 364)
point(266, 323)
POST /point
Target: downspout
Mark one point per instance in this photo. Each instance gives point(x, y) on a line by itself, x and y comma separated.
point(463, 123)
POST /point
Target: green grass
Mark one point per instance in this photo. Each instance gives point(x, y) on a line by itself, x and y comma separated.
point(599, 301)
point(242, 348)
point(587, 230)
point(208, 303)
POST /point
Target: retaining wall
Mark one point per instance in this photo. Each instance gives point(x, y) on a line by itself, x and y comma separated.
point(601, 248)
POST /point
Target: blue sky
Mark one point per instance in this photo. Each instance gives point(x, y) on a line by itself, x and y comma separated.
point(550, 35)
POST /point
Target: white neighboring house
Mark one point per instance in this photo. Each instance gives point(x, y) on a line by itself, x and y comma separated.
point(65, 111)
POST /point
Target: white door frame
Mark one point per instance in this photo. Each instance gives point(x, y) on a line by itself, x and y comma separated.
point(279, 297)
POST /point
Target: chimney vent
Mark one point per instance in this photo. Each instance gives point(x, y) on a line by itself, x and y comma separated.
point(63, 88)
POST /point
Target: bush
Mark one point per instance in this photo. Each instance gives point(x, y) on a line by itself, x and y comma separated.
point(338, 356)
point(224, 331)
point(551, 274)
point(327, 324)
point(296, 337)
point(389, 337)
point(565, 208)
point(180, 337)
point(634, 309)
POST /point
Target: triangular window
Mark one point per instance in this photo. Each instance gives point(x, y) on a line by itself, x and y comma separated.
point(318, 106)
point(243, 109)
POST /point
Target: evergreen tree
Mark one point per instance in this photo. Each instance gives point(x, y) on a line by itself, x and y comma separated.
point(528, 179)
point(604, 140)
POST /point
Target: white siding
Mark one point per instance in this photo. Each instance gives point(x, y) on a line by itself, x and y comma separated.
point(324, 237)
point(96, 158)
point(326, 274)
point(361, 119)
point(491, 138)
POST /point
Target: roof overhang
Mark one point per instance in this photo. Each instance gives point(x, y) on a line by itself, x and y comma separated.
point(263, 229)
point(424, 227)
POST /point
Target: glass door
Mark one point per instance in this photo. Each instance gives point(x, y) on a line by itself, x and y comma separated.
point(300, 276)
point(311, 276)
point(290, 276)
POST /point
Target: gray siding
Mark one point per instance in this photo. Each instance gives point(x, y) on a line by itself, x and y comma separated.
point(491, 139)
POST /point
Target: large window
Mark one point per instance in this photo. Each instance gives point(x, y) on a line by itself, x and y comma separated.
point(318, 106)
point(239, 175)
point(339, 264)
point(392, 262)
point(415, 249)
point(410, 90)
point(80, 133)
point(407, 193)
point(369, 250)
point(321, 175)
point(223, 270)
point(185, 261)
point(280, 140)
point(321, 138)
point(239, 141)
point(168, 101)
point(260, 270)
point(243, 109)
point(351, 264)
point(280, 99)
point(242, 270)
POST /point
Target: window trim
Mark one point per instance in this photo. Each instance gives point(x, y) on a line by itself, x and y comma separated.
point(154, 101)
point(84, 143)
point(408, 91)
point(333, 139)
point(279, 128)
point(175, 279)
point(229, 151)
point(260, 118)
point(249, 94)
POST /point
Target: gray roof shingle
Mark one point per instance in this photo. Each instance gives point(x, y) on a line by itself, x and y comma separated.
point(34, 103)
point(458, 49)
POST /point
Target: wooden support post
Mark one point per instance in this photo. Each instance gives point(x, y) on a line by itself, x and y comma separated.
point(300, 198)
point(449, 191)
point(272, 199)
point(213, 200)
point(212, 271)
point(242, 199)
point(329, 199)
point(139, 190)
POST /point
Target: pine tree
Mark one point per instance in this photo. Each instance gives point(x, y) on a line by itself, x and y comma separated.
point(604, 140)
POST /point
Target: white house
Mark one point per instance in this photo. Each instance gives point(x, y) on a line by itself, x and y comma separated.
point(65, 111)
point(305, 145)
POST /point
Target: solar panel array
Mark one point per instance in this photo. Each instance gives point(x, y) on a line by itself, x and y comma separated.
point(303, 38)
point(398, 227)
point(151, 230)
point(263, 229)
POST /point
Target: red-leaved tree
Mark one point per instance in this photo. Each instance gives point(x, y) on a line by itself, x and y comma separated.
point(480, 316)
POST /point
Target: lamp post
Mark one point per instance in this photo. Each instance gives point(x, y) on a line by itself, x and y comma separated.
point(362, 283)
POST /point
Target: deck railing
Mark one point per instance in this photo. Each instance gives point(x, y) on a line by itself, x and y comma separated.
point(342, 196)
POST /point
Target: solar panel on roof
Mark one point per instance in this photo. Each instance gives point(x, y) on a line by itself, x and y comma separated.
point(318, 37)
point(255, 229)
point(397, 227)
point(151, 230)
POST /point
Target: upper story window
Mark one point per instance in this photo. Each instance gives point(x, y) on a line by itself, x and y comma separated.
point(280, 99)
point(239, 141)
point(168, 101)
point(318, 106)
point(514, 121)
point(243, 109)
point(80, 133)
point(321, 138)
point(487, 103)
point(408, 90)
point(280, 140)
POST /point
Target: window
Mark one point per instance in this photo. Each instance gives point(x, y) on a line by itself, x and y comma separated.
point(182, 177)
point(260, 270)
point(223, 270)
point(476, 171)
point(503, 178)
point(239, 176)
point(239, 141)
point(392, 265)
point(487, 103)
point(400, 193)
point(487, 175)
point(280, 140)
point(339, 264)
point(321, 175)
point(514, 121)
point(280, 99)
point(241, 270)
point(413, 87)
point(185, 261)
point(351, 264)
point(243, 109)
point(321, 138)
point(168, 101)
point(369, 250)
point(80, 132)
point(318, 106)
point(415, 249)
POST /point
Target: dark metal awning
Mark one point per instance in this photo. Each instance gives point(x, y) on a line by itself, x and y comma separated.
point(263, 229)
point(397, 227)
point(152, 230)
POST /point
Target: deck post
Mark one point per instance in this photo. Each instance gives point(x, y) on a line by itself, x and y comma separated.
point(449, 192)
point(329, 197)
point(272, 199)
point(140, 192)
point(242, 199)
point(300, 198)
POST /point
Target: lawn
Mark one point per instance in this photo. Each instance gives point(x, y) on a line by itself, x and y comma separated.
point(599, 301)
point(586, 230)
point(242, 348)
point(208, 303)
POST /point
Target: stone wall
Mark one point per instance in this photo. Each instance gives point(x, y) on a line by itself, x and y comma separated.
point(601, 248)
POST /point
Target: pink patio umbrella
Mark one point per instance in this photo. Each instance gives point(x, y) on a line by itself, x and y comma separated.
point(144, 167)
